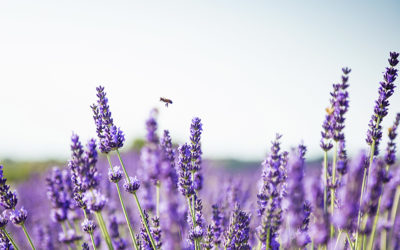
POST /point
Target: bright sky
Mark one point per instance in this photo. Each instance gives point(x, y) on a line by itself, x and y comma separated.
point(248, 69)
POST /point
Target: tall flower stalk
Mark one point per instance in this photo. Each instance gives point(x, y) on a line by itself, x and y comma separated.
point(270, 195)
point(374, 133)
point(111, 139)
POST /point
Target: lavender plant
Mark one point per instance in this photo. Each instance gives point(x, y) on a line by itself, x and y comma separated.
point(354, 206)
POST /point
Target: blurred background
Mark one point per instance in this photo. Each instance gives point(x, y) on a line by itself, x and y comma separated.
point(248, 69)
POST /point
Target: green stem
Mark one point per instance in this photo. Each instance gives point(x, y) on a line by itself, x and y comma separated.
point(64, 228)
point(137, 202)
point(104, 230)
point(131, 232)
point(333, 187)
point(27, 236)
point(326, 181)
point(10, 238)
point(267, 240)
point(349, 240)
point(372, 237)
point(359, 209)
point(395, 206)
point(91, 234)
point(338, 238)
point(122, 164)
point(144, 221)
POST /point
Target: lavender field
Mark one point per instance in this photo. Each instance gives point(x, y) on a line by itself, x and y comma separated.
point(168, 197)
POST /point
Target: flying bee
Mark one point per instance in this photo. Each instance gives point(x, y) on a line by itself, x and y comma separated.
point(166, 101)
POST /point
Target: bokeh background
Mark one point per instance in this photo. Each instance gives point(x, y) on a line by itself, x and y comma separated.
point(249, 69)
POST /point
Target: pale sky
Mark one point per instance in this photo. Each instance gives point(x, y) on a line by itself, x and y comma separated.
point(248, 69)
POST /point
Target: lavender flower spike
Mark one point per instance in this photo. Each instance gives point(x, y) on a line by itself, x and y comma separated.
point(184, 166)
point(295, 200)
point(271, 193)
point(111, 137)
point(390, 156)
point(386, 90)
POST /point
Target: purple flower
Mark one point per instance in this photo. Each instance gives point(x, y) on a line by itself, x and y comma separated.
point(115, 174)
point(156, 229)
point(386, 90)
point(237, 236)
point(18, 217)
point(390, 156)
point(196, 231)
point(58, 195)
point(373, 192)
point(8, 199)
point(196, 129)
point(209, 238)
point(349, 194)
point(88, 226)
point(84, 175)
point(271, 192)
point(151, 127)
point(131, 185)
point(111, 137)
point(217, 218)
point(168, 161)
point(85, 246)
point(390, 190)
point(319, 230)
point(94, 200)
point(295, 199)
point(5, 243)
point(184, 166)
point(3, 219)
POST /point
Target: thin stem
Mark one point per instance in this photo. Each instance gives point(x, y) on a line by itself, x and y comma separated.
point(10, 238)
point(64, 228)
point(27, 236)
point(104, 230)
point(91, 234)
point(333, 187)
point(338, 238)
point(349, 240)
point(122, 164)
point(131, 232)
point(326, 181)
point(359, 209)
point(267, 240)
point(137, 201)
point(384, 232)
point(372, 237)
point(144, 221)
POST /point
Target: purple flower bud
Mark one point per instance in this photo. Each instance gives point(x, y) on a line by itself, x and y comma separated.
point(88, 226)
point(85, 246)
point(131, 185)
point(237, 236)
point(386, 90)
point(8, 199)
point(3, 219)
point(184, 166)
point(94, 200)
point(18, 217)
point(111, 137)
point(115, 174)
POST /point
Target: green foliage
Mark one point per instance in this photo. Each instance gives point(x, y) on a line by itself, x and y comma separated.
point(17, 171)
